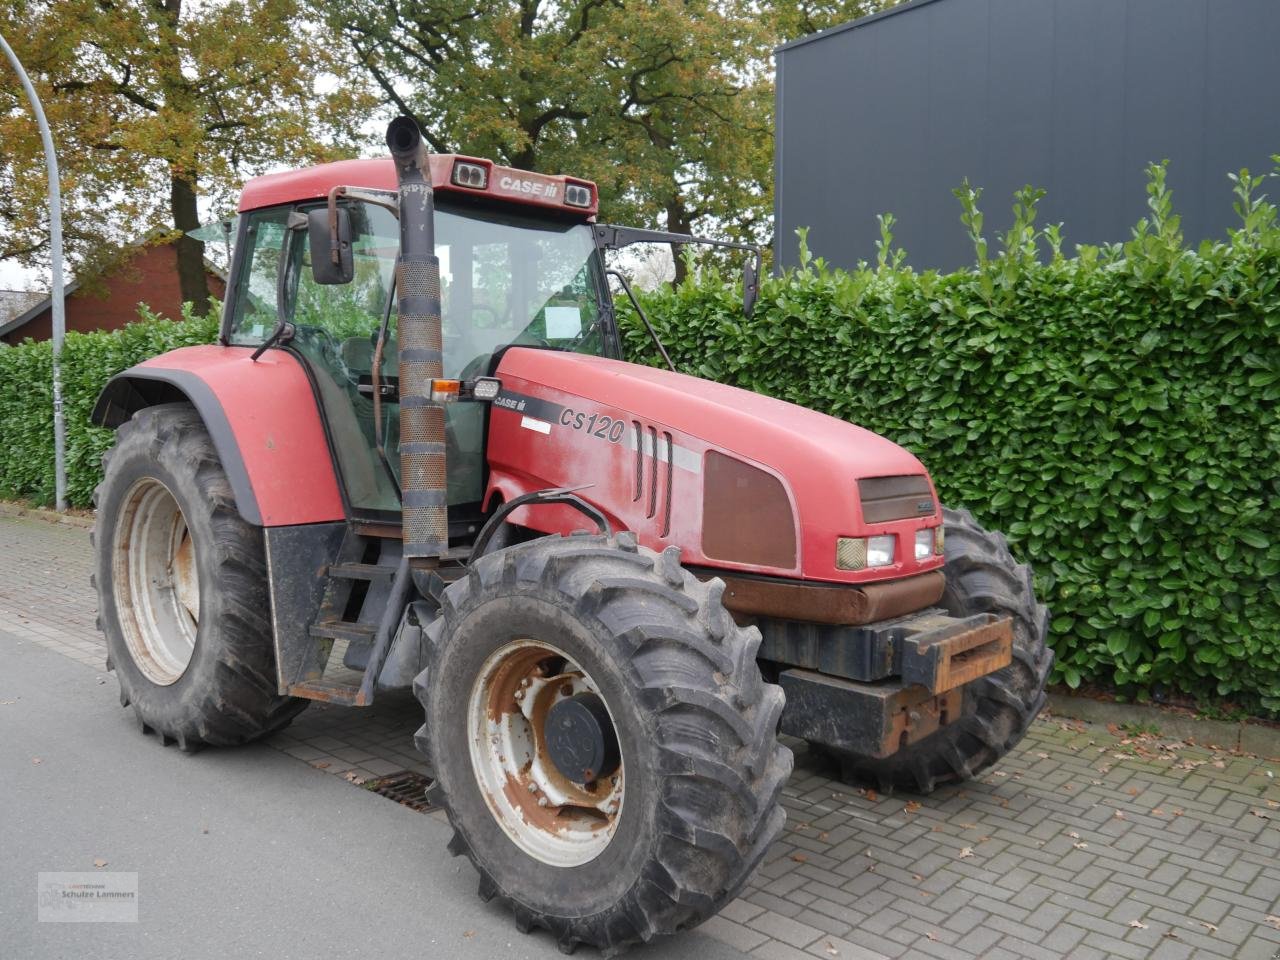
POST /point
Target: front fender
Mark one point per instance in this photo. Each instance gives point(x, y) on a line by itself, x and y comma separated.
point(262, 417)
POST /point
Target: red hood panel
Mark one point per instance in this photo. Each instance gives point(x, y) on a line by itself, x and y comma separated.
point(818, 458)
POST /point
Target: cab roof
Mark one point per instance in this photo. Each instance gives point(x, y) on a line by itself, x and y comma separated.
point(500, 183)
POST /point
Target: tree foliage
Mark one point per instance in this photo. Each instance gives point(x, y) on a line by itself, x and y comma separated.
point(152, 103)
point(666, 104)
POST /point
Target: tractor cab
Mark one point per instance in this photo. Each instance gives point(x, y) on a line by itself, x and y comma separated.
point(519, 266)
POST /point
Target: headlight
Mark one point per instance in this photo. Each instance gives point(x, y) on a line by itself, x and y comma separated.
point(858, 553)
point(924, 544)
point(880, 551)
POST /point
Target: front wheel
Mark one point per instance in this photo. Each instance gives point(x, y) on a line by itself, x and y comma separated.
point(982, 577)
point(601, 739)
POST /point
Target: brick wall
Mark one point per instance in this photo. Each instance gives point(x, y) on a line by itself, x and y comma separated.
point(150, 276)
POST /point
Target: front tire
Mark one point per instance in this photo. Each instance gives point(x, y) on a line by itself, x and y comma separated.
point(982, 577)
point(688, 804)
point(182, 588)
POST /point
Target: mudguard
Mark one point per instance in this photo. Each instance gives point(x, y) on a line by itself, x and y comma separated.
point(263, 419)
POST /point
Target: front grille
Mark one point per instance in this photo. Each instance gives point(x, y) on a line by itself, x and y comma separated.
point(895, 498)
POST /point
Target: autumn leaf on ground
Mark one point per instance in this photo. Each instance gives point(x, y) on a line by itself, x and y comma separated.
point(1138, 924)
point(1272, 921)
point(1073, 835)
point(831, 949)
point(99, 862)
point(1081, 845)
point(966, 852)
point(468, 934)
point(320, 764)
point(1211, 927)
point(912, 806)
point(931, 935)
point(799, 858)
point(871, 795)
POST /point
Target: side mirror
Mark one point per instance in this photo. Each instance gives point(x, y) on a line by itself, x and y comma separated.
point(330, 245)
point(750, 287)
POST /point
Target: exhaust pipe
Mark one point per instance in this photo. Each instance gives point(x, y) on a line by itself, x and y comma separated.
point(423, 481)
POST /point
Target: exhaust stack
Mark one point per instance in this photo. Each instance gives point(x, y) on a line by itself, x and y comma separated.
point(424, 509)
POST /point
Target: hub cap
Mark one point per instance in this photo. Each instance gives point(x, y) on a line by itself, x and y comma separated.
point(563, 817)
point(155, 582)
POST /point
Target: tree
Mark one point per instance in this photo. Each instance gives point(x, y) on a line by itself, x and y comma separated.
point(664, 103)
point(154, 103)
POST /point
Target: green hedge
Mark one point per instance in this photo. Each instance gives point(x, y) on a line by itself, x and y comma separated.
point(1115, 413)
point(89, 360)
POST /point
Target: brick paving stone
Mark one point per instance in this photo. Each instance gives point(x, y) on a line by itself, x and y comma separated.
point(733, 933)
point(1170, 829)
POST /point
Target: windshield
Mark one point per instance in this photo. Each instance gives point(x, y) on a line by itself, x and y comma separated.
point(505, 279)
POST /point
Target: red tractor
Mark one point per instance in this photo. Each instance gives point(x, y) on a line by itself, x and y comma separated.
point(416, 456)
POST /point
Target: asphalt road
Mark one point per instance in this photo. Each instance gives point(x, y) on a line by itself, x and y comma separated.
point(239, 853)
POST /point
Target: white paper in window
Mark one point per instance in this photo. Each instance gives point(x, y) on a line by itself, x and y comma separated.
point(563, 323)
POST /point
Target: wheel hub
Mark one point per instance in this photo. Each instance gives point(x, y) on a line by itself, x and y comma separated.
point(156, 582)
point(580, 738)
point(545, 753)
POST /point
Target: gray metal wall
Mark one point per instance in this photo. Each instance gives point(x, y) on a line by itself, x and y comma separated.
point(890, 113)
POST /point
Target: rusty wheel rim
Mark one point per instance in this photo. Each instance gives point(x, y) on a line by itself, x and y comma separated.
point(548, 816)
point(156, 582)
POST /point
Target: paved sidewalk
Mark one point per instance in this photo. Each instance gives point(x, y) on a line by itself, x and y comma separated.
point(1083, 843)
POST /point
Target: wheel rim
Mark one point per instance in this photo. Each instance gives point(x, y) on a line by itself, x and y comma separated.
point(547, 815)
point(156, 582)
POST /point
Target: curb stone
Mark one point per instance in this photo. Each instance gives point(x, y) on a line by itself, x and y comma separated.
point(1241, 737)
point(8, 509)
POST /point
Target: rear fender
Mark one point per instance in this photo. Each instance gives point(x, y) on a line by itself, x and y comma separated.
point(262, 417)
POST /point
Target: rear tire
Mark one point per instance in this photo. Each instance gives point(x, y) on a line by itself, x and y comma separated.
point(982, 577)
point(182, 588)
point(701, 771)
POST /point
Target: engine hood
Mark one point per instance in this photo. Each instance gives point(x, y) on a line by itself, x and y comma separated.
point(650, 441)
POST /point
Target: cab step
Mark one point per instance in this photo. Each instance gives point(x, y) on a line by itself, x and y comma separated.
point(343, 630)
point(362, 571)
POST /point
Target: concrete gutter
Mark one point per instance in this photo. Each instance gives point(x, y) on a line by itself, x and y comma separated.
point(1257, 739)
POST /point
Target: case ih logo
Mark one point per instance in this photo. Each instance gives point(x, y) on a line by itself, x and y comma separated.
point(528, 188)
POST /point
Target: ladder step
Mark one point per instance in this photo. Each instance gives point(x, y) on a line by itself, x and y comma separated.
point(361, 571)
point(330, 691)
point(343, 630)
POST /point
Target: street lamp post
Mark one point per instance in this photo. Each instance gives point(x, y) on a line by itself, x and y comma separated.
point(55, 259)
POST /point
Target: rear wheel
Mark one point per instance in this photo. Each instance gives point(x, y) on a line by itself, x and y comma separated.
point(601, 738)
point(182, 593)
point(982, 577)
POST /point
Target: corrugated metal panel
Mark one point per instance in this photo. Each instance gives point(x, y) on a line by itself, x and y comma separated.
point(891, 113)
